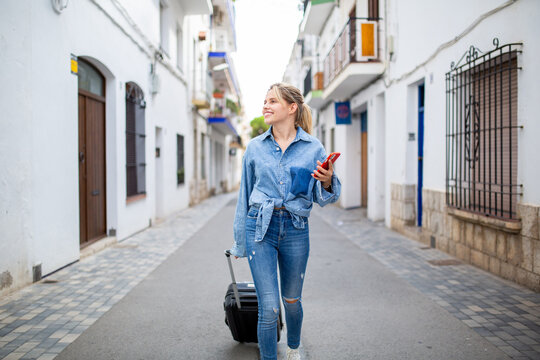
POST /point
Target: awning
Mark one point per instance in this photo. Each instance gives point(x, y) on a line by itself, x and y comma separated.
point(196, 7)
point(223, 125)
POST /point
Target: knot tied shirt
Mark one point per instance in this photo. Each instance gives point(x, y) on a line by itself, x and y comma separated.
point(272, 179)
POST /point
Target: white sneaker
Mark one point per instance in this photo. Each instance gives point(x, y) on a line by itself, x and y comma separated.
point(293, 354)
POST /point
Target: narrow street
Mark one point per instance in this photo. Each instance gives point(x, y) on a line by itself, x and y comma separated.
point(369, 294)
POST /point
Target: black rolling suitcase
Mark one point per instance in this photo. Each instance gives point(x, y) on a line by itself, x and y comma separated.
point(241, 310)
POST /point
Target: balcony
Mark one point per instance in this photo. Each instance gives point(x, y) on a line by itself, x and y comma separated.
point(221, 113)
point(313, 89)
point(353, 62)
point(202, 89)
point(196, 7)
point(315, 14)
point(223, 74)
point(224, 109)
point(224, 26)
point(308, 51)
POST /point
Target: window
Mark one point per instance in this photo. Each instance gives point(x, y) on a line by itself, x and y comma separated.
point(373, 9)
point(163, 33)
point(90, 79)
point(180, 170)
point(135, 140)
point(481, 133)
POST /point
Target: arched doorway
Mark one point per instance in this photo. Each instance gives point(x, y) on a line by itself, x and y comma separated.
point(92, 174)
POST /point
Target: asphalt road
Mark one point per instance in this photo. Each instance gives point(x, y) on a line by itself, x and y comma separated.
point(354, 308)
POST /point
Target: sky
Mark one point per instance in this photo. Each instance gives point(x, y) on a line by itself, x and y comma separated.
point(265, 34)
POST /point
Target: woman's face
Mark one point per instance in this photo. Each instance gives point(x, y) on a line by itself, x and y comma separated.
point(274, 111)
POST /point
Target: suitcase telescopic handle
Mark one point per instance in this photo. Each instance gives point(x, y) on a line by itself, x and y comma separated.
point(235, 287)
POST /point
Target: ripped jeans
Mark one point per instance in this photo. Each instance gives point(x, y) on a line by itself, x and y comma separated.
point(287, 246)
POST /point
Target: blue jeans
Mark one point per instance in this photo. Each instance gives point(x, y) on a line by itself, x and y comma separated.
point(287, 246)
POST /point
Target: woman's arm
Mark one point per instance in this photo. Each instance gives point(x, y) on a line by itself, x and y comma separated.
point(327, 187)
point(242, 206)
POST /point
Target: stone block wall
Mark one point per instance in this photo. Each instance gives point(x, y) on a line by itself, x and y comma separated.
point(507, 249)
point(198, 191)
point(403, 206)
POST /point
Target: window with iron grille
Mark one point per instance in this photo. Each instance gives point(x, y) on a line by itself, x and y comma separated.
point(180, 170)
point(135, 140)
point(481, 133)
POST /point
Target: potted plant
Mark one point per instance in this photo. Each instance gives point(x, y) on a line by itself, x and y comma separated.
point(218, 94)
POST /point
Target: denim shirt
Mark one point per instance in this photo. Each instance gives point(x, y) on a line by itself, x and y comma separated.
point(272, 178)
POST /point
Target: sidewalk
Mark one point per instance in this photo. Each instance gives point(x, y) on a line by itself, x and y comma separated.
point(39, 321)
point(395, 302)
point(504, 313)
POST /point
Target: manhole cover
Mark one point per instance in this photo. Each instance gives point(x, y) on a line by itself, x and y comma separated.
point(445, 262)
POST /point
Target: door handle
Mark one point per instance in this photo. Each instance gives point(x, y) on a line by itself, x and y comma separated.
point(81, 157)
point(95, 193)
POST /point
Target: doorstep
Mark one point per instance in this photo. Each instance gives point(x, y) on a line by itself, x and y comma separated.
point(98, 246)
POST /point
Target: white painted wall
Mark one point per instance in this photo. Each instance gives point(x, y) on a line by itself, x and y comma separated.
point(376, 158)
point(436, 28)
point(39, 185)
point(427, 37)
point(16, 161)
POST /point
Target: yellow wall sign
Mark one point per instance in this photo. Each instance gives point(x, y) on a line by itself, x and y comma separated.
point(74, 64)
point(368, 39)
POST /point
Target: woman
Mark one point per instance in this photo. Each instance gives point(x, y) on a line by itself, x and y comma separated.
point(281, 178)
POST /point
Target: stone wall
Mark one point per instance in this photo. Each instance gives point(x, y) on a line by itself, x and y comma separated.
point(198, 191)
point(403, 206)
point(508, 249)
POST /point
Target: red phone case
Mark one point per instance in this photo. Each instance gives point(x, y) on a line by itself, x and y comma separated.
point(332, 157)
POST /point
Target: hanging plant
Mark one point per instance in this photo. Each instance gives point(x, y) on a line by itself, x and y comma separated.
point(233, 106)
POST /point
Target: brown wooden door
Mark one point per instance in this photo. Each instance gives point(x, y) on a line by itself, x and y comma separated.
point(92, 195)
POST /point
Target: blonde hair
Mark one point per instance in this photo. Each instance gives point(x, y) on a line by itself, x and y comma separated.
point(291, 94)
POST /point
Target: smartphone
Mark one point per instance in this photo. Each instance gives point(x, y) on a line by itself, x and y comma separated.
point(332, 157)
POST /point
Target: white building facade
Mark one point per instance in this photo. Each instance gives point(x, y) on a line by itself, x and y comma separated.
point(440, 145)
point(217, 100)
point(100, 124)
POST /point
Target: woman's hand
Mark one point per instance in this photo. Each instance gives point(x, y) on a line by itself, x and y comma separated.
point(323, 175)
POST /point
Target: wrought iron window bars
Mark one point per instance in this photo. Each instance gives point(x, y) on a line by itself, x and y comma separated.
point(481, 132)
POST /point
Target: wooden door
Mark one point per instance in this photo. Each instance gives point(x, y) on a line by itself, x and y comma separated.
point(92, 180)
point(364, 157)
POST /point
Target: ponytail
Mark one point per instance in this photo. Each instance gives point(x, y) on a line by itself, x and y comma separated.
point(303, 118)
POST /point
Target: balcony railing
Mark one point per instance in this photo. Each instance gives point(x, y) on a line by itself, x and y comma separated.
point(202, 89)
point(356, 43)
